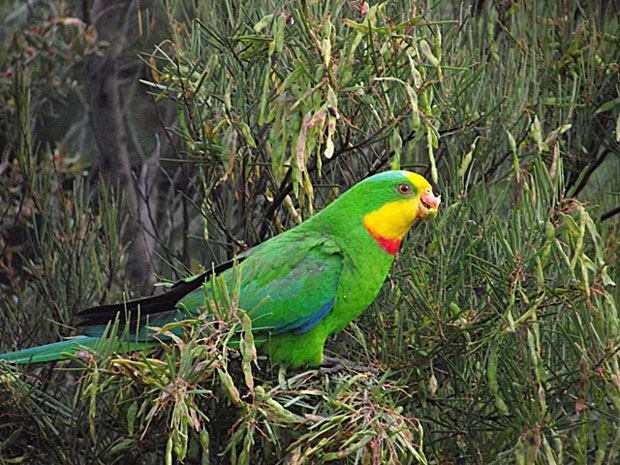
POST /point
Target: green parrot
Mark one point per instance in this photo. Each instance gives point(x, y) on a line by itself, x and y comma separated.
point(297, 287)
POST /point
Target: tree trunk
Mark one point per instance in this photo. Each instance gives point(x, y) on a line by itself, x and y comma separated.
point(108, 18)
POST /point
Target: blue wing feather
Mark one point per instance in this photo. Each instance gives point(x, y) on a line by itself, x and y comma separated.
point(303, 325)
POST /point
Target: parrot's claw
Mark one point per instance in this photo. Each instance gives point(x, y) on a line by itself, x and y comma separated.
point(335, 364)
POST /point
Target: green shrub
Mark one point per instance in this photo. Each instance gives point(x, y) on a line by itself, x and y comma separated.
point(496, 336)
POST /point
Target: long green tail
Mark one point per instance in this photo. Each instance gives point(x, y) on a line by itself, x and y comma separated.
point(59, 350)
point(51, 352)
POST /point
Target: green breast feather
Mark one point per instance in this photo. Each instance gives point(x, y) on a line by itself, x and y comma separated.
point(297, 287)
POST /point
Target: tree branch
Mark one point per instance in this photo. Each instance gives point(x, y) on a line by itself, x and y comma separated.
point(610, 213)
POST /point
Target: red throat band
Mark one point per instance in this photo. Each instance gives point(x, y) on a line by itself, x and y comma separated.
point(389, 245)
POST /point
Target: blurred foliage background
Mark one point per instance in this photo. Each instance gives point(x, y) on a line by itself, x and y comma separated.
point(141, 138)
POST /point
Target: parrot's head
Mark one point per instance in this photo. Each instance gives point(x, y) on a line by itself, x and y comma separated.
point(393, 201)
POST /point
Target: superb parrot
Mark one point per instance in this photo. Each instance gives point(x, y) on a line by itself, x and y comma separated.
point(297, 287)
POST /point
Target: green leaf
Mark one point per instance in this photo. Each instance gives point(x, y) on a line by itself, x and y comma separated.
point(609, 105)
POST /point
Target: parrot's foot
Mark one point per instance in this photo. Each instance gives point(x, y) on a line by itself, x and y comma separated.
point(335, 364)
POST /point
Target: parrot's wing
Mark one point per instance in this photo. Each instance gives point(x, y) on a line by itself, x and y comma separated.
point(288, 284)
point(297, 286)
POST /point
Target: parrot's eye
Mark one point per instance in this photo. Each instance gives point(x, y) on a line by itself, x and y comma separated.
point(404, 188)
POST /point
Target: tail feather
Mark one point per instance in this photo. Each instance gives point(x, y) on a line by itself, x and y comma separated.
point(154, 305)
point(50, 352)
point(97, 323)
point(63, 350)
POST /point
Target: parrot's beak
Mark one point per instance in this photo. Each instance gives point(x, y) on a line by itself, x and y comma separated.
point(427, 208)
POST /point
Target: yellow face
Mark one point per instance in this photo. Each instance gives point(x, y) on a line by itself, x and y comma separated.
point(394, 219)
